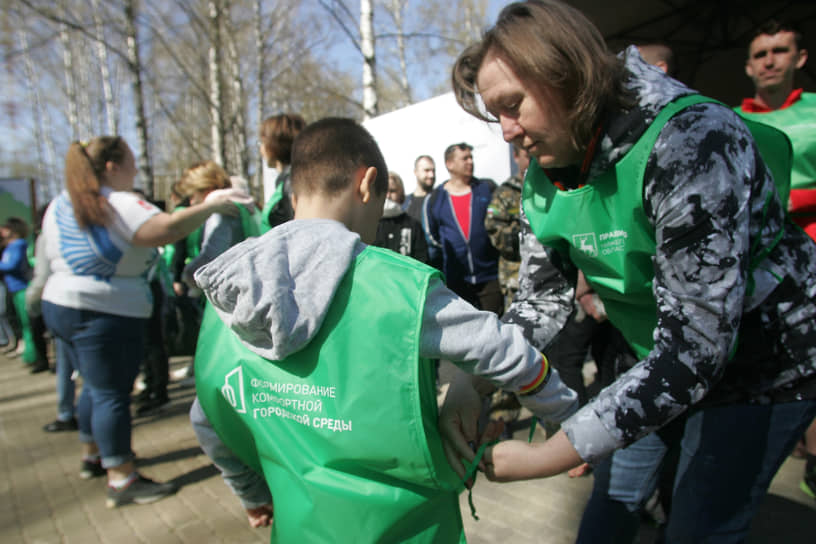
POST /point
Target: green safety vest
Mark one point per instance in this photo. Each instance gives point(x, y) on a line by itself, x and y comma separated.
point(798, 121)
point(192, 242)
point(604, 231)
point(269, 206)
point(345, 430)
point(250, 221)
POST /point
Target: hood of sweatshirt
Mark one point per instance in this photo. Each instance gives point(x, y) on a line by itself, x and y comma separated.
point(275, 290)
point(652, 89)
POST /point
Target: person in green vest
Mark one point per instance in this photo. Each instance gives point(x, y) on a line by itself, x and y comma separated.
point(276, 137)
point(17, 273)
point(219, 232)
point(662, 199)
point(314, 378)
point(774, 55)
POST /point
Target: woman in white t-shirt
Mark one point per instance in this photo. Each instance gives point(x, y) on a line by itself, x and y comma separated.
point(101, 239)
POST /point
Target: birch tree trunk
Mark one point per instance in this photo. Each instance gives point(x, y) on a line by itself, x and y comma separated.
point(238, 126)
point(45, 159)
point(260, 54)
point(397, 7)
point(81, 71)
point(217, 120)
point(367, 46)
point(111, 111)
point(70, 82)
point(135, 67)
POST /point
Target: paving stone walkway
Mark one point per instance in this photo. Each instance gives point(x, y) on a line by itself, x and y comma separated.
point(45, 502)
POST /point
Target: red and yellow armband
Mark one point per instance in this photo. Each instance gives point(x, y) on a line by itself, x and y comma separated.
point(540, 381)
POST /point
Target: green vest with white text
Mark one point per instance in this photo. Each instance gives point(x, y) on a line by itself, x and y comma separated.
point(603, 229)
point(798, 121)
point(344, 430)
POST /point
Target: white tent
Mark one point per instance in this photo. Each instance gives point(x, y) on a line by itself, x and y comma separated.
point(427, 128)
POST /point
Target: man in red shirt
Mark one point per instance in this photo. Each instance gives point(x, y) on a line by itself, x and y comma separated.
point(774, 55)
point(453, 218)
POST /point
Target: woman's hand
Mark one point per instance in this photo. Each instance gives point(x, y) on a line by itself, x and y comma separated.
point(221, 200)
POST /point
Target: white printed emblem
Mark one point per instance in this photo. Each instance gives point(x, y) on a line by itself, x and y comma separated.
point(234, 383)
point(586, 243)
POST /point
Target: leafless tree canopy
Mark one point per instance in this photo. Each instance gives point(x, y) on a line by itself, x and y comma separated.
point(186, 80)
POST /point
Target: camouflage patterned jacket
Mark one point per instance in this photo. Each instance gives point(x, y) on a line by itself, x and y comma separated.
point(703, 193)
point(503, 226)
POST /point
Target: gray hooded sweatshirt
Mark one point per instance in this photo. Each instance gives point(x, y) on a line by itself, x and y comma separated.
point(275, 290)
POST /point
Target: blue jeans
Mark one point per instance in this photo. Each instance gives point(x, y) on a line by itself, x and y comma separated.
point(66, 391)
point(108, 350)
point(729, 455)
point(623, 482)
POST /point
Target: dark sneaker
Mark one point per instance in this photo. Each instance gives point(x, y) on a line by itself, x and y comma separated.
point(91, 469)
point(141, 491)
point(808, 485)
point(57, 426)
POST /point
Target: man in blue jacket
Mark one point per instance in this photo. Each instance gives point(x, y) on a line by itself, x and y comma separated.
point(453, 217)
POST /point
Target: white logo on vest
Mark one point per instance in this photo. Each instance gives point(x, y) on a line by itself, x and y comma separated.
point(586, 243)
point(234, 381)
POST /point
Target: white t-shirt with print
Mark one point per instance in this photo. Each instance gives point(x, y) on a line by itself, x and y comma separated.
point(99, 269)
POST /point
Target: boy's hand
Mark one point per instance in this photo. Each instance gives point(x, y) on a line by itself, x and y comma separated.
point(260, 516)
point(458, 422)
point(514, 460)
point(509, 461)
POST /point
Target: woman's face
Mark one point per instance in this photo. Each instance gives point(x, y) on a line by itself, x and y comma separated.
point(531, 118)
point(395, 191)
point(120, 176)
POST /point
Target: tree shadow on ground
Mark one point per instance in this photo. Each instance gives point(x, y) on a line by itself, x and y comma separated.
point(176, 455)
point(196, 475)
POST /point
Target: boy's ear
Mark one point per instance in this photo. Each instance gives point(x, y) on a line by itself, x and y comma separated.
point(366, 190)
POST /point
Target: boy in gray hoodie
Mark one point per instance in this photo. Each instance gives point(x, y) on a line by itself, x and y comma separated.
point(313, 365)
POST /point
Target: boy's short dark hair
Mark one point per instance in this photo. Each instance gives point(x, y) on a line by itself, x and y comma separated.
point(327, 153)
point(449, 151)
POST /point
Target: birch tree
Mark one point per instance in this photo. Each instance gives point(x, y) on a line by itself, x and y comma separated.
point(260, 55)
point(238, 107)
point(46, 175)
point(111, 109)
point(215, 70)
point(135, 68)
point(70, 82)
point(367, 48)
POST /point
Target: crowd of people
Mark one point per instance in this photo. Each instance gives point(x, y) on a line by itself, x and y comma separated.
point(645, 225)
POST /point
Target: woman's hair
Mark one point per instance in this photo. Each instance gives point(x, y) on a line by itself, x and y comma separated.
point(393, 176)
point(17, 226)
point(85, 166)
point(277, 134)
point(203, 176)
point(552, 45)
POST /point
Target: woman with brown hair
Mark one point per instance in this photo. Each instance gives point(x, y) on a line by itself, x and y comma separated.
point(220, 232)
point(277, 134)
point(100, 241)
